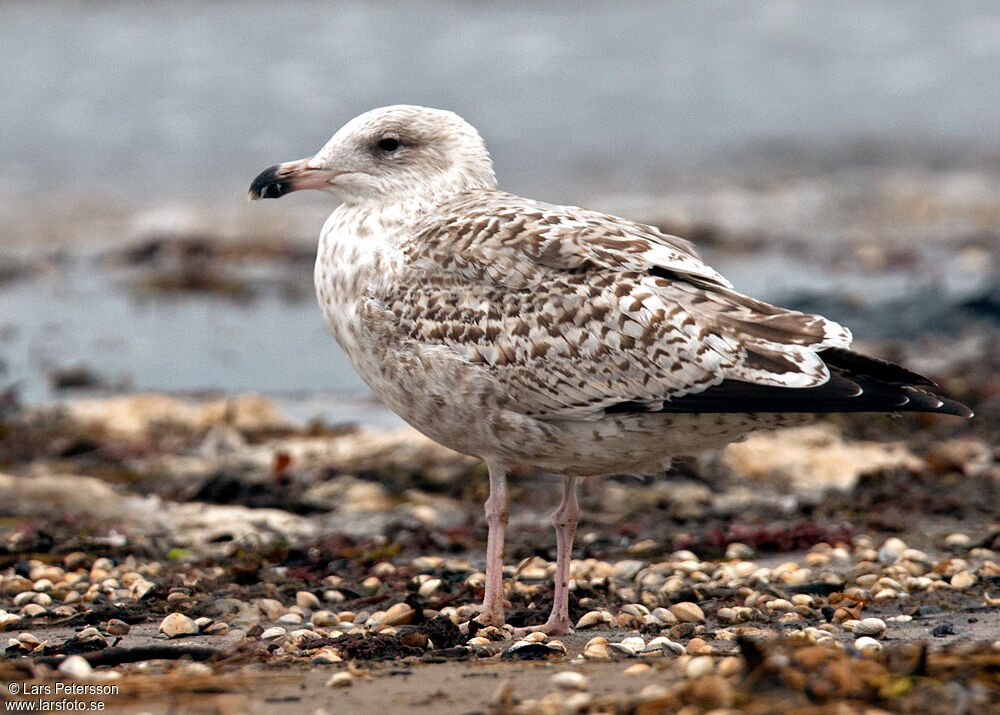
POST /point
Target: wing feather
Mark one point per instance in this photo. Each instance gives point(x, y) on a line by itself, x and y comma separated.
point(572, 311)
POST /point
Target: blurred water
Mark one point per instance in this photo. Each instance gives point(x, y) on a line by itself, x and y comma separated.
point(152, 116)
point(143, 100)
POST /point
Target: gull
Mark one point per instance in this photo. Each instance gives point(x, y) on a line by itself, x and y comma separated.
point(554, 337)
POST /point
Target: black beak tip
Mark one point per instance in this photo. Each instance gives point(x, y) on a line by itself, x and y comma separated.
point(268, 185)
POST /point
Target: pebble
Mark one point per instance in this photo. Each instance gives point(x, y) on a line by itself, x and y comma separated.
point(963, 579)
point(570, 680)
point(218, 628)
point(75, 666)
point(664, 616)
point(636, 643)
point(326, 656)
point(306, 599)
point(866, 645)
point(116, 627)
point(739, 552)
point(399, 614)
point(729, 666)
point(957, 541)
point(343, 679)
point(556, 647)
point(687, 612)
point(271, 609)
point(664, 645)
point(176, 625)
point(429, 587)
point(596, 649)
point(638, 669)
point(699, 666)
point(874, 627)
point(592, 619)
point(322, 619)
point(891, 550)
point(273, 633)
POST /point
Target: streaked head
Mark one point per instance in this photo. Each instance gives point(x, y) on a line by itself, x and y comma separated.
point(387, 155)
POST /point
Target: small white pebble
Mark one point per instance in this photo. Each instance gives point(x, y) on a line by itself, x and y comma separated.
point(688, 612)
point(273, 633)
point(429, 587)
point(956, 541)
point(570, 680)
point(699, 666)
point(306, 599)
point(75, 667)
point(866, 645)
point(343, 679)
point(963, 579)
point(176, 625)
point(870, 627)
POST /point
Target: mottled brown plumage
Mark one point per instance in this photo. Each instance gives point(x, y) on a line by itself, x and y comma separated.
point(552, 336)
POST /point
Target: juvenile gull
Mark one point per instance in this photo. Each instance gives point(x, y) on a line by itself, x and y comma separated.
point(555, 337)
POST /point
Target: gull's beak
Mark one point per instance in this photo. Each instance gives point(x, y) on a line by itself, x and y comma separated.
point(280, 179)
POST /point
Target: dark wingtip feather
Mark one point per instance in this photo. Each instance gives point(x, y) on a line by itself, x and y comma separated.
point(857, 383)
point(881, 370)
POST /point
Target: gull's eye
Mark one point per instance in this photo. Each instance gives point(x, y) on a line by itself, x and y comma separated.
point(389, 144)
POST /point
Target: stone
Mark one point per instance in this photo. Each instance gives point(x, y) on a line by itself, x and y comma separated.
point(177, 625)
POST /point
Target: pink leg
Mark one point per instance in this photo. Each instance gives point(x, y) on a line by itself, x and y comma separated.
point(564, 519)
point(497, 510)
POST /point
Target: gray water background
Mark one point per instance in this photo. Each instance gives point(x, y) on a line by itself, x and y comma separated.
point(129, 113)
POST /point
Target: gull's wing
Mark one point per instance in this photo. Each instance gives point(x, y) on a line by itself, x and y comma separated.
point(573, 313)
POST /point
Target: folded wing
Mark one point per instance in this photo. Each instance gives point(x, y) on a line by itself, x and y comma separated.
point(576, 313)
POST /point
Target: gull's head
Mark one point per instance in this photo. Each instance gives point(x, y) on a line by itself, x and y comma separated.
point(388, 155)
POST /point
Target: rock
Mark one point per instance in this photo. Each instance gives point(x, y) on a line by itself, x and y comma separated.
point(957, 541)
point(399, 614)
point(592, 619)
point(570, 680)
point(116, 627)
point(306, 599)
point(638, 669)
point(687, 612)
point(963, 579)
point(874, 627)
point(218, 628)
point(664, 616)
point(428, 587)
point(663, 645)
point(211, 527)
point(324, 618)
point(699, 666)
point(76, 667)
point(53, 496)
point(273, 633)
point(866, 645)
point(343, 679)
point(814, 458)
point(177, 625)
point(135, 415)
point(892, 550)
point(16, 584)
point(596, 649)
point(739, 552)
point(350, 494)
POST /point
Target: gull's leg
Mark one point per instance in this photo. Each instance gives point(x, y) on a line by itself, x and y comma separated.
point(497, 510)
point(564, 519)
